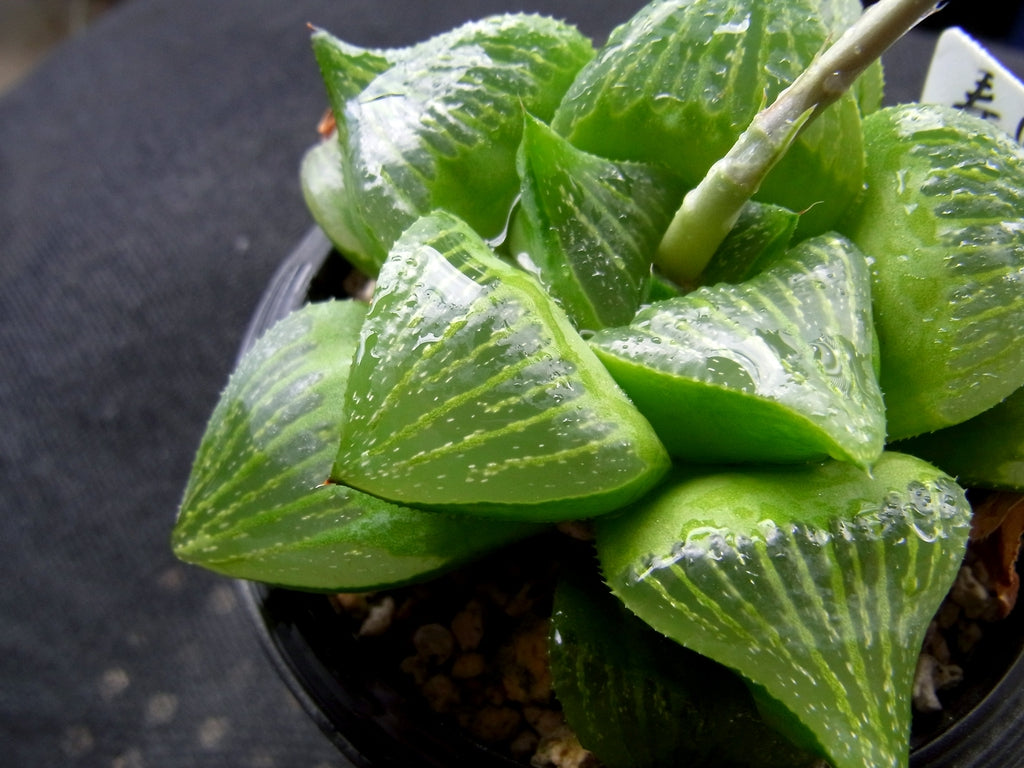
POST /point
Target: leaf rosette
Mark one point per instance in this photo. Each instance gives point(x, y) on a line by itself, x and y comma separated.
point(488, 393)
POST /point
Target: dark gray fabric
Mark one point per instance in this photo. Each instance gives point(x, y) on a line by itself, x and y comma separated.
point(147, 191)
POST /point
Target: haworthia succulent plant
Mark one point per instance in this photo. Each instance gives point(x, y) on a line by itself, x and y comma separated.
point(589, 227)
point(357, 449)
point(776, 369)
point(942, 219)
point(815, 583)
point(471, 391)
point(437, 125)
point(680, 81)
point(256, 505)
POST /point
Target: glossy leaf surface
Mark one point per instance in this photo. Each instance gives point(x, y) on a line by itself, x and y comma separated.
point(815, 583)
point(986, 451)
point(637, 699)
point(680, 81)
point(326, 198)
point(589, 227)
point(762, 234)
point(347, 69)
point(255, 506)
point(943, 221)
point(441, 126)
point(777, 369)
point(471, 391)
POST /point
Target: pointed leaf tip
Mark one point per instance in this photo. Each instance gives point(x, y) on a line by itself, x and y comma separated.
point(256, 506)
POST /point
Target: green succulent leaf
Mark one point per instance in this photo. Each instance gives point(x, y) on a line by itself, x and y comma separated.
point(777, 369)
point(621, 684)
point(986, 451)
point(471, 391)
point(256, 507)
point(323, 188)
point(762, 233)
point(441, 126)
point(347, 69)
point(679, 82)
point(589, 227)
point(943, 221)
point(816, 583)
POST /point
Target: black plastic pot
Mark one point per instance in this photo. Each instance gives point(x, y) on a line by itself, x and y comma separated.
point(375, 726)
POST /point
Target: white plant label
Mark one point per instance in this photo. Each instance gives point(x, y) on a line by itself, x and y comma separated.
point(963, 74)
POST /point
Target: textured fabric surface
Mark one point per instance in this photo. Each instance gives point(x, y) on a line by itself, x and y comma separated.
point(148, 189)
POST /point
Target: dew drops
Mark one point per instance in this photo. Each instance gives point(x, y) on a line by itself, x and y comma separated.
point(736, 27)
